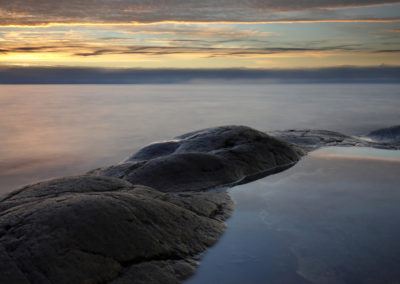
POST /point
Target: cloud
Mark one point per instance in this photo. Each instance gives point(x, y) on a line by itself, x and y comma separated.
point(33, 12)
point(33, 48)
point(122, 37)
point(392, 31)
point(203, 48)
point(207, 51)
point(189, 40)
point(161, 39)
point(72, 75)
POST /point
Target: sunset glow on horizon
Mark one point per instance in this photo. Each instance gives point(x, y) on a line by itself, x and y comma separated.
point(247, 34)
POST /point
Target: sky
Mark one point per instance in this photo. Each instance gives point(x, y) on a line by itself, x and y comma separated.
point(181, 34)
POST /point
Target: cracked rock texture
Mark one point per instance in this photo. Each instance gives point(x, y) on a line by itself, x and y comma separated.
point(87, 229)
point(204, 159)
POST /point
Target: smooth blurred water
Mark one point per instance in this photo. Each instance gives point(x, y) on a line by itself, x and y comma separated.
point(332, 218)
point(56, 130)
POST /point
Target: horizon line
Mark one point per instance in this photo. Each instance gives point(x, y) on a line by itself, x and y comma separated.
point(96, 75)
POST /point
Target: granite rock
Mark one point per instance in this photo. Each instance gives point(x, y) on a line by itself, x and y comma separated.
point(87, 229)
point(309, 139)
point(205, 159)
point(101, 228)
point(390, 134)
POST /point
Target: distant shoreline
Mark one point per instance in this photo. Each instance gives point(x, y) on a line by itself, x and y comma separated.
point(88, 75)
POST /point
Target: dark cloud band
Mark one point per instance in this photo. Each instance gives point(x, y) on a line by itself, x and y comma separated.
point(31, 12)
point(207, 51)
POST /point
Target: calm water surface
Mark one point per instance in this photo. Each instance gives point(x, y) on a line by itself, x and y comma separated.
point(55, 130)
point(332, 218)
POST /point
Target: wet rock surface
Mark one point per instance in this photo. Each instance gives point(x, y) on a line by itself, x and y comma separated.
point(309, 139)
point(87, 229)
point(100, 228)
point(390, 134)
point(204, 159)
point(146, 219)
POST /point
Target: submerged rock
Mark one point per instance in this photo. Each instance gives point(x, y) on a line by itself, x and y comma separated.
point(87, 229)
point(204, 159)
point(390, 134)
point(309, 139)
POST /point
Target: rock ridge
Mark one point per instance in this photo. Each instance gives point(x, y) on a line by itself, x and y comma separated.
point(144, 220)
point(312, 139)
point(204, 159)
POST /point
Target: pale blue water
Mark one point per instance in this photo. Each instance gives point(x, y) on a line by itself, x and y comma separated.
point(54, 130)
point(332, 218)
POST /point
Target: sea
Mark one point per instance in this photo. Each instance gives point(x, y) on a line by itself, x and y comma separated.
point(332, 218)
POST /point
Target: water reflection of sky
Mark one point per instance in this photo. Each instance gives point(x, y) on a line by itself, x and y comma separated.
point(355, 153)
point(326, 220)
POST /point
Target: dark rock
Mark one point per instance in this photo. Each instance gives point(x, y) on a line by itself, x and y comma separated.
point(100, 228)
point(9, 271)
point(391, 134)
point(313, 139)
point(204, 159)
point(169, 272)
point(88, 229)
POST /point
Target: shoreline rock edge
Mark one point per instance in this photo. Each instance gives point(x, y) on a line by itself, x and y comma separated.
point(153, 212)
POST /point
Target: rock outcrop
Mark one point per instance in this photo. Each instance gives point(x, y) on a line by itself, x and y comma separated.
point(309, 139)
point(101, 228)
point(389, 135)
point(87, 229)
point(205, 159)
point(146, 219)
